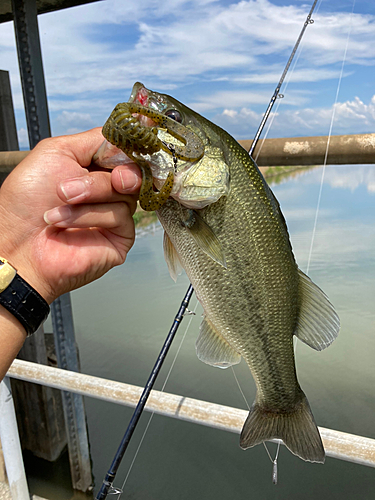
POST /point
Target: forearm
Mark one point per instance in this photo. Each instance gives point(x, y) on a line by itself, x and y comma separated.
point(12, 337)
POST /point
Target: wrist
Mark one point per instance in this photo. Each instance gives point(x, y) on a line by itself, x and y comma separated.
point(21, 299)
point(25, 267)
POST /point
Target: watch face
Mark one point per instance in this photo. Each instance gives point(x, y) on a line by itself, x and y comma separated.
point(7, 273)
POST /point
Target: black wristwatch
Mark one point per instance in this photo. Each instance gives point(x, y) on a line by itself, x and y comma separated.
point(25, 303)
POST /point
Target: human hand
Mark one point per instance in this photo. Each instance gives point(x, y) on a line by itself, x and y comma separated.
point(96, 229)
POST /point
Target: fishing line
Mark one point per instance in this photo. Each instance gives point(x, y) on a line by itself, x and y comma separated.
point(276, 93)
point(107, 484)
point(273, 460)
point(161, 390)
point(240, 388)
point(329, 139)
point(275, 96)
point(281, 96)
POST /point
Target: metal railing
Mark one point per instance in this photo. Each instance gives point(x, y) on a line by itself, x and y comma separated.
point(343, 149)
point(348, 447)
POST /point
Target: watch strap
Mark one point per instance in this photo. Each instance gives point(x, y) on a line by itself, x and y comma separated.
point(25, 303)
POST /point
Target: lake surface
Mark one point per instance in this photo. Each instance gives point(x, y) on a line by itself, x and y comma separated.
point(122, 320)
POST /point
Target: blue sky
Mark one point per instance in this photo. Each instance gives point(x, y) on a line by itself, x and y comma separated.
point(222, 58)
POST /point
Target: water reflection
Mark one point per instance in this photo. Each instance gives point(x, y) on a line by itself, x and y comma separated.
point(349, 177)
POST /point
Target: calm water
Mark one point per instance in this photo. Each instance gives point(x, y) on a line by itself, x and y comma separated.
point(122, 320)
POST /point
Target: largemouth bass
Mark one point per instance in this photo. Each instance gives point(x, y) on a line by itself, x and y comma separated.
point(224, 226)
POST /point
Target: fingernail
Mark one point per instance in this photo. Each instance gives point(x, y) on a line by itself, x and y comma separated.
point(58, 214)
point(74, 189)
point(129, 180)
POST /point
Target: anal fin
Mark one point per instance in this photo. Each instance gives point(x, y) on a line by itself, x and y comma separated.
point(171, 257)
point(213, 349)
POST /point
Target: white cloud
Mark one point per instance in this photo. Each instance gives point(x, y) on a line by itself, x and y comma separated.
point(67, 119)
point(196, 39)
point(351, 178)
point(214, 55)
point(301, 75)
point(230, 112)
point(349, 116)
point(23, 138)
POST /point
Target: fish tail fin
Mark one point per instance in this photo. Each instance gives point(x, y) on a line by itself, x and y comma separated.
point(296, 428)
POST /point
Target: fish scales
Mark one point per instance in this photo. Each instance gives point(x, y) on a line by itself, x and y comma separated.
point(243, 300)
point(225, 228)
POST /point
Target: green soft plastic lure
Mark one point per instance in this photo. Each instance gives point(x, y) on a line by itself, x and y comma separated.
point(124, 130)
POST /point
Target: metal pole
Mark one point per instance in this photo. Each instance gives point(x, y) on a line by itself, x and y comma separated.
point(354, 149)
point(11, 444)
point(31, 69)
point(8, 130)
point(73, 404)
point(110, 476)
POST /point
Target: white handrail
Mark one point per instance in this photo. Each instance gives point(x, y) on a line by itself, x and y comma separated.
point(349, 447)
point(11, 444)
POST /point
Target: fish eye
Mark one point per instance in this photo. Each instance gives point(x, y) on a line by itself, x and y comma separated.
point(174, 114)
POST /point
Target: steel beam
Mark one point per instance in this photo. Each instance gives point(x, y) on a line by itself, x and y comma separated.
point(31, 70)
point(74, 408)
point(38, 125)
point(356, 449)
point(8, 130)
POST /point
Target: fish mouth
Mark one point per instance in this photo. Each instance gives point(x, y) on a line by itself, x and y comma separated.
point(108, 155)
point(140, 95)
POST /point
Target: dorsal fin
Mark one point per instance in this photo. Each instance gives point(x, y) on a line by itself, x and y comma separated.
point(318, 323)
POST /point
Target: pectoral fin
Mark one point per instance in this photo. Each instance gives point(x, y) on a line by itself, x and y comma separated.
point(171, 257)
point(205, 238)
point(213, 349)
point(318, 323)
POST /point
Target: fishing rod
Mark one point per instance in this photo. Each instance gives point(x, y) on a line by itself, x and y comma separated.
point(276, 93)
point(107, 487)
